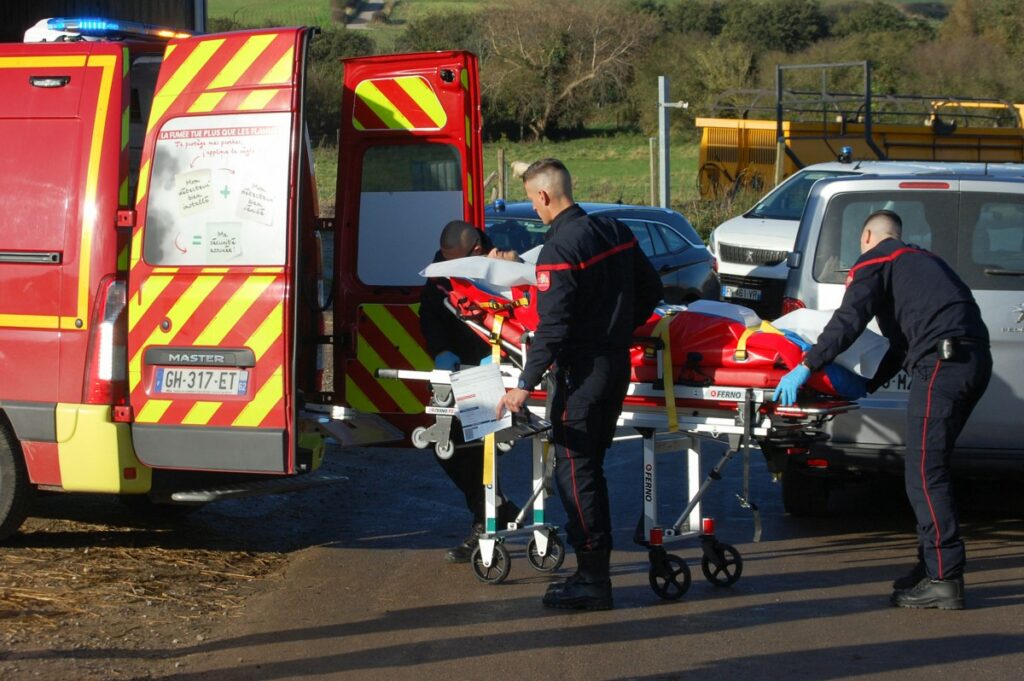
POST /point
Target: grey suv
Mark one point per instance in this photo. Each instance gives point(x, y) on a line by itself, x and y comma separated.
point(977, 225)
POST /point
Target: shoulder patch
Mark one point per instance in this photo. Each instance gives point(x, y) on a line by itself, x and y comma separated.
point(543, 280)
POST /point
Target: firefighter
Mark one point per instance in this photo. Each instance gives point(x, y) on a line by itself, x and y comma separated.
point(594, 286)
point(453, 344)
point(936, 333)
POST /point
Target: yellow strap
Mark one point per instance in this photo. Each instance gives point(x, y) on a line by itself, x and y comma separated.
point(489, 459)
point(741, 346)
point(662, 331)
point(489, 438)
point(499, 321)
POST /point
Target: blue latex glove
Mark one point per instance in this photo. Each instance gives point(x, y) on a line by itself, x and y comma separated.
point(487, 360)
point(785, 392)
point(447, 361)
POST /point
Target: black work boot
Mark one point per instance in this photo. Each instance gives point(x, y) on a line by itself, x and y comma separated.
point(464, 551)
point(944, 594)
point(588, 589)
point(911, 579)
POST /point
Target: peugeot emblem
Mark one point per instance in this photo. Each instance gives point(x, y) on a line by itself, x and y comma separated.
point(749, 256)
point(1020, 313)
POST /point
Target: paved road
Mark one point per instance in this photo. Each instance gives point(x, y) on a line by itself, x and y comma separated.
point(373, 600)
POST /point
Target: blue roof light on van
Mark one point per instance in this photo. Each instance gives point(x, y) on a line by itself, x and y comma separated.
point(97, 28)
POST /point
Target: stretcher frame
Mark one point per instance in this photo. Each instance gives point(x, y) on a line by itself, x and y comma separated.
point(668, 418)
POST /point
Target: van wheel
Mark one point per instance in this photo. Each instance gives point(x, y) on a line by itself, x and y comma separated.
point(804, 494)
point(15, 489)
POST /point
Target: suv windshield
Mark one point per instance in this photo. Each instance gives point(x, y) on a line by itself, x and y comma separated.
point(787, 203)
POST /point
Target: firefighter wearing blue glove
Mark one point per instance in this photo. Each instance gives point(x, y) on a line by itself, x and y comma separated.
point(594, 287)
point(936, 333)
point(454, 344)
point(785, 391)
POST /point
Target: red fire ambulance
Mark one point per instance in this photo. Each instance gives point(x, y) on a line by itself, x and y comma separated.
point(160, 321)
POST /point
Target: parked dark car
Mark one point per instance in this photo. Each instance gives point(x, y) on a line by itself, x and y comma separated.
point(687, 268)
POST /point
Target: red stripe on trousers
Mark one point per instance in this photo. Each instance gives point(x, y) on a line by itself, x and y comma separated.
point(924, 455)
point(575, 487)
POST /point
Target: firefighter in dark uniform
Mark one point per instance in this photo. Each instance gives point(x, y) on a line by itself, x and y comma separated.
point(594, 287)
point(453, 344)
point(936, 333)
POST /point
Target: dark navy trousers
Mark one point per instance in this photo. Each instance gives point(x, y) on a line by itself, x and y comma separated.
point(942, 396)
point(585, 405)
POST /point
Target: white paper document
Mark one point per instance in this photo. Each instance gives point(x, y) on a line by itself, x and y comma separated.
point(477, 392)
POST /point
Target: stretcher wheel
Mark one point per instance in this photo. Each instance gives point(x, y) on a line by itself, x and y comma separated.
point(445, 452)
point(419, 438)
point(552, 560)
point(726, 566)
point(669, 576)
point(501, 565)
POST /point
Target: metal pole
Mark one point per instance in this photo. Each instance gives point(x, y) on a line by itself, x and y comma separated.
point(653, 141)
point(663, 187)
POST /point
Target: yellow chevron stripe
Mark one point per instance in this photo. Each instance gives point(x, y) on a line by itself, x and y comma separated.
point(421, 92)
point(122, 193)
point(357, 399)
point(140, 303)
point(469, 188)
point(152, 411)
point(396, 333)
point(469, 133)
point(233, 309)
point(268, 332)
point(201, 413)
point(268, 270)
point(398, 391)
point(243, 59)
point(215, 270)
point(177, 83)
point(282, 71)
point(125, 117)
point(140, 193)
point(206, 102)
point(178, 315)
point(264, 400)
point(382, 106)
point(257, 100)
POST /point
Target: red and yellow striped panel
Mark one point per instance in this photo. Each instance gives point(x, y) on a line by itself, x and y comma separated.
point(211, 310)
point(237, 307)
point(403, 103)
point(387, 336)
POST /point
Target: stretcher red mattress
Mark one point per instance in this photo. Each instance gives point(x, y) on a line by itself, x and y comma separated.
point(704, 348)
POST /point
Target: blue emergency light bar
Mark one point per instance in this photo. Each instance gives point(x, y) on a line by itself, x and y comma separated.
point(110, 28)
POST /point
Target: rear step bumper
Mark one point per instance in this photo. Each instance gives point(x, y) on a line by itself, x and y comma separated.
point(255, 488)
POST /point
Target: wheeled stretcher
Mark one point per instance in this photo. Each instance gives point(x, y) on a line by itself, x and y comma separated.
point(701, 372)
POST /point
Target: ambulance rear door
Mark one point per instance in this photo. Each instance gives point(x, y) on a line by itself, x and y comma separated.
point(214, 257)
point(409, 162)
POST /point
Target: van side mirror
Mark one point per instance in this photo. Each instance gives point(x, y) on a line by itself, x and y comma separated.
point(793, 259)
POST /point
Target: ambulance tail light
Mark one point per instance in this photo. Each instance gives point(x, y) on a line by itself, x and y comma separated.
point(791, 304)
point(106, 361)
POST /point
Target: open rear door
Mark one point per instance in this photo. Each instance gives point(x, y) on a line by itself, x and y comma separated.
point(409, 162)
point(214, 258)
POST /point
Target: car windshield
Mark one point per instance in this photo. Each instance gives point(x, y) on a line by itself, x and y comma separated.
point(515, 234)
point(787, 202)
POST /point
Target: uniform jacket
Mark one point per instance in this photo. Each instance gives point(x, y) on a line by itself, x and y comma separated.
point(442, 330)
point(594, 287)
point(917, 298)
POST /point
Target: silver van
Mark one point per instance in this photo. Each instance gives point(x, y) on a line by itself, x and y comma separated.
point(976, 223)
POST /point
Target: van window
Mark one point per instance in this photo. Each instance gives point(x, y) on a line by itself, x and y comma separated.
point(928, 222)
point(992, 238)
point(409, 193)
point(787, 202)
point(143, 76)
point(219, 191)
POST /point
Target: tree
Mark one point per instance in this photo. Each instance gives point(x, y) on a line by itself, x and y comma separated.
point(547, 60)
point(858, 18)
point(787, 25)
point(443, 31)
point(704, 16)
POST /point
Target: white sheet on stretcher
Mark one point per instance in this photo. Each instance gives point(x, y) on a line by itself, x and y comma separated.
point(863, 357)
point(496, 275)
